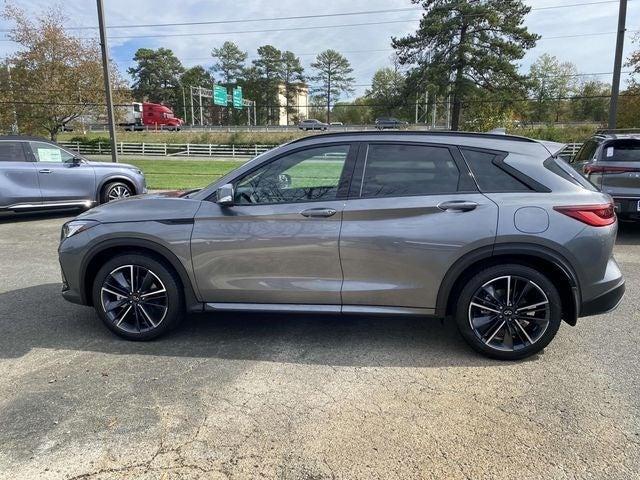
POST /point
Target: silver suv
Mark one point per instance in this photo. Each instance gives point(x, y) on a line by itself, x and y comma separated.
point(493, 231)
point(37, 174)
point(611, 161)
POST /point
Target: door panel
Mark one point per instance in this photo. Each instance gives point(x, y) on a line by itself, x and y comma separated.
point(413, 211)
point(278, 242)
point(396, 251)
point(59, 178)
point(18, 176)
point(267, 253)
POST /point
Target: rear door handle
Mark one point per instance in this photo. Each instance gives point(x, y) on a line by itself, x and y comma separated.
point(318, 212)
point(458, 205)
point(45, 170)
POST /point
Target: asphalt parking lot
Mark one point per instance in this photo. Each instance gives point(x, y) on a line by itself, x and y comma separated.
point(302, 397)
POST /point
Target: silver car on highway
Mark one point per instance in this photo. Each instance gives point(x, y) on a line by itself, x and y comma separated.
point(37, 174)
point(495, 232)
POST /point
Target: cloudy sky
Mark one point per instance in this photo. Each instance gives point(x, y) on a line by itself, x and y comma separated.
point(366, 46)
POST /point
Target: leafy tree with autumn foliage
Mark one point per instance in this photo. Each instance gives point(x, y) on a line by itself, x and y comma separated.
point(55, 77)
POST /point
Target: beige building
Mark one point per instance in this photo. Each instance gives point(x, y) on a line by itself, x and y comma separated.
point(297, 105)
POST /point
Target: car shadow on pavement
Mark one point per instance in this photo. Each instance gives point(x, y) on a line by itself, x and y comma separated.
point(38, 317)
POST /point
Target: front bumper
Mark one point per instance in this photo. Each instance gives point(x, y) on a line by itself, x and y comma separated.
point(604, 303)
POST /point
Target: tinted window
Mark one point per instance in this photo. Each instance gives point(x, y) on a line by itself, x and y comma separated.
point(12, 152)
point(622, 151)
point(45, 152)
point(586, 152)
point(397, 170)
point(304, 176)
point(564, 170)
point(489, 176)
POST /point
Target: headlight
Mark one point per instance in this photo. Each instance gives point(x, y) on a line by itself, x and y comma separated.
point(69, 229)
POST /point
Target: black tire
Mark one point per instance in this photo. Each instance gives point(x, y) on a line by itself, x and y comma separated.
point(132, 325)
point(527, 330)
point(108, 191)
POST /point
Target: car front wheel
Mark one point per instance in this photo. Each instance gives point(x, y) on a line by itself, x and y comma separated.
point(509, 312)
point(115, 191)
point(138, 297)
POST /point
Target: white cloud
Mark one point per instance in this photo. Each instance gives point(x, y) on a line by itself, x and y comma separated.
point(590, 54)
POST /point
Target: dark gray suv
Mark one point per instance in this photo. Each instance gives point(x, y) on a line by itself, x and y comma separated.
point(611, 161)
point(36, 174)
point(494, 231)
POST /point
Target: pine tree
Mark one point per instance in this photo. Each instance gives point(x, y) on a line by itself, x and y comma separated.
point(466, 44)
point(333, 77)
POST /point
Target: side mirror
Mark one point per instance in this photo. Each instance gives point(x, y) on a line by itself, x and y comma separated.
point(225, 195)
point(76, 160)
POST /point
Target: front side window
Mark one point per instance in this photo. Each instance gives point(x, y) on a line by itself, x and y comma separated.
point(45, 152)
point(304, 176)
point(400, 170)
point(12, 152)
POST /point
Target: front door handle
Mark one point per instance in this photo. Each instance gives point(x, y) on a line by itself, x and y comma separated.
point(46, 170)
point(457, 205)
point(318, 212)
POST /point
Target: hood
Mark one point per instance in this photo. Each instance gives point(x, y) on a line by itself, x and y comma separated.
point(154, 207)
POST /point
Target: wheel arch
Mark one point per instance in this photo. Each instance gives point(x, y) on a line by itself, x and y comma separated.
point(116, 178)
point(100, 253)
point(545, 260)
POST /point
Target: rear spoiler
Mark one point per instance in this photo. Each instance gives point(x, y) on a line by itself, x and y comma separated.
point(554, 148)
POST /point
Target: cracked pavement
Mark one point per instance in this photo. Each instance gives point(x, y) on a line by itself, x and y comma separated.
point(299, 396)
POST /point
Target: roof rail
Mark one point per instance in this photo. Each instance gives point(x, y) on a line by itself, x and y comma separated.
point(440, 133)
point(605, 131)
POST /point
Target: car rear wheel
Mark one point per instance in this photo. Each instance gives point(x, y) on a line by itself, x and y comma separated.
point(115, 191)
point(138, 297)
point(509, 312)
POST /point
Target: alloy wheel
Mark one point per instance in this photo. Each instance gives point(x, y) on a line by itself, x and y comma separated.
point(134, 299)
point(118, 191)
point(509, 313)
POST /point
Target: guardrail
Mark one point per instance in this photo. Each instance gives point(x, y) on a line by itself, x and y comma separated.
point(203, 150)
point(169, 149)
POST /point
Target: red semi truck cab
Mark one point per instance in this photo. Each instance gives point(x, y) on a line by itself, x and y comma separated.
point(150, 115)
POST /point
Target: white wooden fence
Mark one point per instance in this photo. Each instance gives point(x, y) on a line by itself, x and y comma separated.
point(202, 150)
point(169, 149)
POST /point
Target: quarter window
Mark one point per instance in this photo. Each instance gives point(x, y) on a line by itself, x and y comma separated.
point(12, 152)
point(45, 152)
point(401, 170)
point(304, 176)
point(489, 176)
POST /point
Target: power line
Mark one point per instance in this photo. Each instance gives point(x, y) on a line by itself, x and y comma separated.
point(526, 99)
point(303, 17)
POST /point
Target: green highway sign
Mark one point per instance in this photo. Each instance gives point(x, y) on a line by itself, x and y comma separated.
point(219, 95)
point(237, 97)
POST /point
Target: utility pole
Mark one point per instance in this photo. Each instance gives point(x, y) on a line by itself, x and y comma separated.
point(617, 65)
point(14, 126)
point(107, 81)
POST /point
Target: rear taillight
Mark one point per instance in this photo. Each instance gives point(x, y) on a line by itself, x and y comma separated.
point(595, 215)
point(594, 168)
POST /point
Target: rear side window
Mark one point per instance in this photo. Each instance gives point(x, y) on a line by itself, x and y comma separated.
point(12, 152)
point(622, 151)
point(586, 152)
point(401, 170)
point(566, 171)
point(489, 176)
